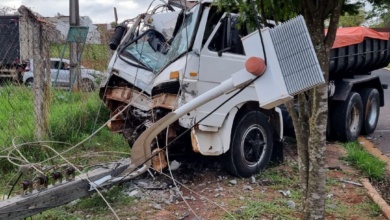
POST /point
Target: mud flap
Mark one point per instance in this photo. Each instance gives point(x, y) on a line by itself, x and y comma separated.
point(277, 156)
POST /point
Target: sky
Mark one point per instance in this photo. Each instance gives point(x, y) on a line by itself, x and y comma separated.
point(100, 11)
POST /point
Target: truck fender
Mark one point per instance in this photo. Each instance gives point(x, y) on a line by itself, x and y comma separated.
point(210, 141)
point(344, 86)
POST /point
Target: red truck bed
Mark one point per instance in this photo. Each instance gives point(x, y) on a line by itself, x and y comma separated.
point(355, 35)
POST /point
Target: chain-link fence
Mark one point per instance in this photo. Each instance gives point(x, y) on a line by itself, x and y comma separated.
point(37, 104)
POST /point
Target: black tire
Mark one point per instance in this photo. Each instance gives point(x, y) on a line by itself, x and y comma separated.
point(30, 82)
point(87, 85)
point(371, 109)
point(347, 118)
point(251, 145)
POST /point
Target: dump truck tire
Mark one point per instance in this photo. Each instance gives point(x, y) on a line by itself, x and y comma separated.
point(371, 109)
point(347, 118)
point(251, 145)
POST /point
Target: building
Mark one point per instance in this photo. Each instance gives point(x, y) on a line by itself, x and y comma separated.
point(62, 24)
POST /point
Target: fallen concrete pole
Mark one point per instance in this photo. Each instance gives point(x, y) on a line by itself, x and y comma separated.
point(19, 207)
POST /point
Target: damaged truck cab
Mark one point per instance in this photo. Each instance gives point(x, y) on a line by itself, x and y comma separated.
point(154, 74)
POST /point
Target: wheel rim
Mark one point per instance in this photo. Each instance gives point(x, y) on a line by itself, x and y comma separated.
point(372, 114)
point(29, 82)
point(253, 145)
point(354, 119)
point(87, 85)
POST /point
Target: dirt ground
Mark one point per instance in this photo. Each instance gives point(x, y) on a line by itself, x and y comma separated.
point(210, 194)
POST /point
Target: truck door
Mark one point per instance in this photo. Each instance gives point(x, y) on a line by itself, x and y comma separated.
point(221, 56)
point(223, 53)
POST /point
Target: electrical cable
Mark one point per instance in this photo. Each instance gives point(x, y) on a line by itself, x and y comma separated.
point(58, 154)
point(188, 129)
point(259, 30)
point(79, 171)
point(13, 185)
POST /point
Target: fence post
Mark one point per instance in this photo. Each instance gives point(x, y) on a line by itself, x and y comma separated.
point(41, 67)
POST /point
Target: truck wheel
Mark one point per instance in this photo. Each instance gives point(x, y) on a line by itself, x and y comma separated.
point(370, 98)
point(251, 145)
point(87, 85)
point(30, 82)
point(347, 118)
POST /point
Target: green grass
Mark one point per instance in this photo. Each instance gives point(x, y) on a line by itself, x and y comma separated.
point(278, 177)
point(72, 118)
point(93, 204)
point(340, 210)
point(367, 163)
point(275, 209)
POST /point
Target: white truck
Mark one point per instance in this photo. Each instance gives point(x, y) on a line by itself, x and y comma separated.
point(154, 74)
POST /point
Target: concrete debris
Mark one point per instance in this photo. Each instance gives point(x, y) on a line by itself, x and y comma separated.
point(286, 193)
point(135, 193)
point(329, 196)
point(156, 206)
point(252, 180)
point(174, 165)
point(291, 204)
point(218, 189)
point(142, 184)
point(185, 215)
point(233, 182)
point(247, 187)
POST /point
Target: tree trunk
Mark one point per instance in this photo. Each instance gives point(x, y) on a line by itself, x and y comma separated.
point(311, 122)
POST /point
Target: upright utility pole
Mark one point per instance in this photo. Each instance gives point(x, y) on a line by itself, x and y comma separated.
point(74, 20)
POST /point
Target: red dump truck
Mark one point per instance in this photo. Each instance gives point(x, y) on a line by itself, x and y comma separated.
point(355, 96)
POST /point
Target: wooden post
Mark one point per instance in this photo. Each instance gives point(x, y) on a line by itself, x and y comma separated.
point(41, 85)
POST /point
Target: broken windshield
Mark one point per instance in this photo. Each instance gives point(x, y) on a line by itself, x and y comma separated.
point(183, 39)
point(151, 50)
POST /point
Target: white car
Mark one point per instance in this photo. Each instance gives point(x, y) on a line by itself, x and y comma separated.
point(60, 74)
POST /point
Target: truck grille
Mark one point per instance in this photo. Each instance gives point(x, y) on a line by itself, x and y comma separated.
point(167, 87)
point(296, 56)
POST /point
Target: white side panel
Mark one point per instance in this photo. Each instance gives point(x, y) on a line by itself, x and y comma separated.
point(216, 143)
point(270, 87)
point(217, 118)
point(212, 71)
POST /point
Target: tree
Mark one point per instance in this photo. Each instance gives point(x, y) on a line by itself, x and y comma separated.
point(352, 20)
point(380, 11)
point(311, 120)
